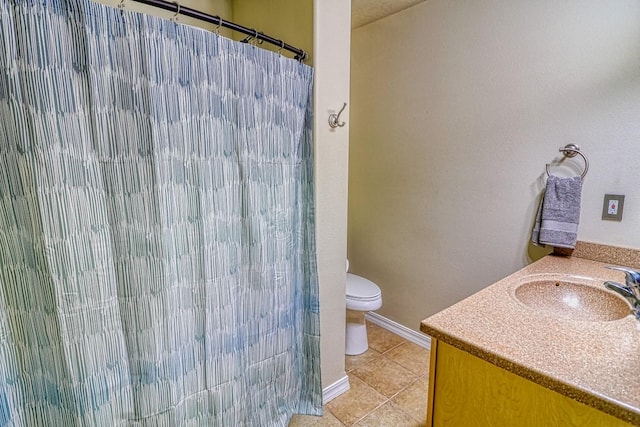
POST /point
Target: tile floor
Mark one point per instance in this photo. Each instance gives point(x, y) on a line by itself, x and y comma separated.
point(388, 386)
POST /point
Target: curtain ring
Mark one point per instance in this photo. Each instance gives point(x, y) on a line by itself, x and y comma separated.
point(255, 37)
point(121, 7)
point(217, 30)
point(281, 47)
point(174, 18)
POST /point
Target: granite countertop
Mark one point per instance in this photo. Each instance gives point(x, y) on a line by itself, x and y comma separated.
point(594, 362)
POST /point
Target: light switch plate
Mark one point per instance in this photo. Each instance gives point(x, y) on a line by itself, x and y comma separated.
point(612, 207)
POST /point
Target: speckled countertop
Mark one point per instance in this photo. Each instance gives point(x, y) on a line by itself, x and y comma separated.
point(594, 362)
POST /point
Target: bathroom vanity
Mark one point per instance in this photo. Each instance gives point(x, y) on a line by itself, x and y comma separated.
point(547, 345)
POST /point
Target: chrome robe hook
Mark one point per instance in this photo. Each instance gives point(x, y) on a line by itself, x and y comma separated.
point(334, 119)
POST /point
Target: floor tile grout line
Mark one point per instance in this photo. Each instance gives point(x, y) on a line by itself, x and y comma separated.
point(405, 367)
point(394, 347)
point(336, 417)
point(370, 412)
point(413, 381)
point(426, 371)
point(390, 361)
point(384, 402)
point(389, 399)
point(418, 376)
point(367, 362)
point(389, 349)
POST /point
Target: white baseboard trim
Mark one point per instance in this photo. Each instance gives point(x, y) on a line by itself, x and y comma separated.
point(334, 390)
point(342, 385)
point(415, 337)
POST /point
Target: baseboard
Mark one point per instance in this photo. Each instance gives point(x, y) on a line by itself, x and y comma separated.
point(415, 337)
point(342, 385)
point(334, 390)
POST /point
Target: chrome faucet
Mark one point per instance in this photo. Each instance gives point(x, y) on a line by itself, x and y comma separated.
point(630, 291)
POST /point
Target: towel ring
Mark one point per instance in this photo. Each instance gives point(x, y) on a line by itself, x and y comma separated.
point(571, 150)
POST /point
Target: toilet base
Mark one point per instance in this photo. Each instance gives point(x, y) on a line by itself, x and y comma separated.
point(356, 333)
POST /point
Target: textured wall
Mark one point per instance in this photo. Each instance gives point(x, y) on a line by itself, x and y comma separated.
point(291, 21)
point(457, 106)
point(366, 11)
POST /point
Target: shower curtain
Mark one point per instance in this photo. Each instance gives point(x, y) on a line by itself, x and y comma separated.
point(157, 255)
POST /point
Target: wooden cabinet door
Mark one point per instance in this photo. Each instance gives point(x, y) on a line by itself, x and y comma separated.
point(467, 391)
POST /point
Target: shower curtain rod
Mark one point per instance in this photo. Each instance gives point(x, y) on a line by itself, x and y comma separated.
point(301, 55)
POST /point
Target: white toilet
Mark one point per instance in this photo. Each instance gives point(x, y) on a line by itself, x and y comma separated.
point(362, 296)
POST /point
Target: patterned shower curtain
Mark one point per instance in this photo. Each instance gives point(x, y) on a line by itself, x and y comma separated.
point(157, 255)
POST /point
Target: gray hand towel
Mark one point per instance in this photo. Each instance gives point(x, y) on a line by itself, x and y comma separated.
point(559, 213)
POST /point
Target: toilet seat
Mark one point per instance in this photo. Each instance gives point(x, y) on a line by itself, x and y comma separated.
point(361, 289)
point(362, 294)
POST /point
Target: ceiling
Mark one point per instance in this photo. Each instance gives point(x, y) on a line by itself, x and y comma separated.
point(366, 11)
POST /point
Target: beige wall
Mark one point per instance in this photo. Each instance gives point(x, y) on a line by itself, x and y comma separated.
point(457, 106)
point(331, 52)
point(288, 20)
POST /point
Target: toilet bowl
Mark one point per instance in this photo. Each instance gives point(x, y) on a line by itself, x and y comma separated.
point(362, 296)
